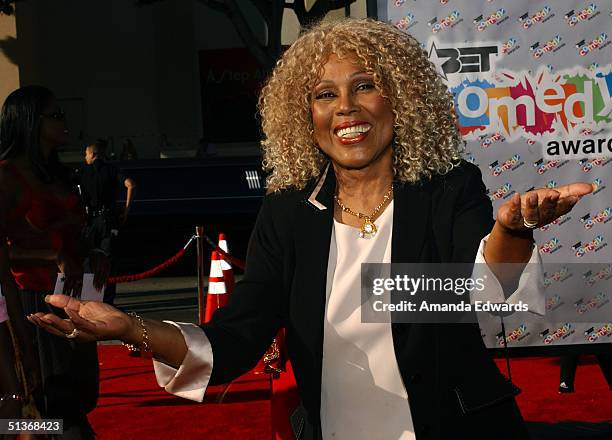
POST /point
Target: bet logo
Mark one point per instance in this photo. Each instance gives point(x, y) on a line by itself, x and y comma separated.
point(467, 59)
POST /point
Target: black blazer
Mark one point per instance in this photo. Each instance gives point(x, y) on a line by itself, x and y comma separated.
point(454, 388)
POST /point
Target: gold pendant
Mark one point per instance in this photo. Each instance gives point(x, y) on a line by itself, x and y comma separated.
point(368, 229)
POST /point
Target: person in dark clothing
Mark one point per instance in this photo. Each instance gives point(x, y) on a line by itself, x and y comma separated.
point(40, 223)
point(98, 182)
point(569, 364)
point(128, 152)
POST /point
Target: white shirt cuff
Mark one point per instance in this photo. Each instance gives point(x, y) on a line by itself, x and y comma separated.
point(530, 289)
point(191, 379)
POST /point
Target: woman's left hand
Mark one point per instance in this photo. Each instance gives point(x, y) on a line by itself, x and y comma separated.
point(540, 206)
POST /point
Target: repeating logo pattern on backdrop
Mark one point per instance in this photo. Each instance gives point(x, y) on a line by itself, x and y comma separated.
point(532, 84)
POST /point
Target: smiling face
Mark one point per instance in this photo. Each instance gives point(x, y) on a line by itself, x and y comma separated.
point(353, 122)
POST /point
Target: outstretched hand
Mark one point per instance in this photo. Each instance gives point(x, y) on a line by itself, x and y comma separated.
point(94, 321)
point(540, 206)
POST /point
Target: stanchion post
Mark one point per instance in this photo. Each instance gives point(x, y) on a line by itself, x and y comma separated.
point(201, 275)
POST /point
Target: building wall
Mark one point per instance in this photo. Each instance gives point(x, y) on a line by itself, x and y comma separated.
point(98, 58)
point(121, 70)
point(9, 69)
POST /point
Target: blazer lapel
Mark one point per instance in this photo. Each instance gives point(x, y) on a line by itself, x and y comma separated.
point(411, 214)
point(312, 247)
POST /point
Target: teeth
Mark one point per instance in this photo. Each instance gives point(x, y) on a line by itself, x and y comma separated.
point(354, 131)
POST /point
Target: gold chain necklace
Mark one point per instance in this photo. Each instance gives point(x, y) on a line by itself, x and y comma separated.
point(368, 229)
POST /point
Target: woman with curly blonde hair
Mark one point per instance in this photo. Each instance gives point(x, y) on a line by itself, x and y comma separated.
point(361, 145)
point(426, 138)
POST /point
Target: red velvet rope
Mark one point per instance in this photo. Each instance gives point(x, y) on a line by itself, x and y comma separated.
point(166, 264)
point(231, 260)
point(148, 273)
point(227, 257)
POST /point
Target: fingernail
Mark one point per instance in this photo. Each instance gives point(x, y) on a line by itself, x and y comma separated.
point(47, 298)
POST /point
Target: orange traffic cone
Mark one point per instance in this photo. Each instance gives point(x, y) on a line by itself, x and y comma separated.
point(217, 296)
point(228, 273)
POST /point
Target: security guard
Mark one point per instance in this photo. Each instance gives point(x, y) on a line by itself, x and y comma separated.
point(98, 182)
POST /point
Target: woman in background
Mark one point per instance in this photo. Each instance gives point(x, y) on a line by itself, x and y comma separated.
point(40, 236)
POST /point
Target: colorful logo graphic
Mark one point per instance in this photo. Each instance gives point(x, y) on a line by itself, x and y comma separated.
point(406, 23)
point(449, 21)
point(596, 302)
point(551, 246)
point(487, 141)
point(593, 334)
point(520, 105)
point(603, 274)
point(502, 192)
point(603, 216)
point(599, 42)
point(498, 17)
point(588, 165)
point(541, 16)
point(538, 51)
point(560, 333)
point(509, 46)
point(542, 166)
point(572, 18)
point(558, 276)
point(553, 303)
point(470, 158)
point(598, 186)
point(514, 336)
point(556, 222)
point(597, 243)
point(513, 163)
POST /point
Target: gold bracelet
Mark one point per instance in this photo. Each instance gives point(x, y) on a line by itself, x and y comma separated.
point(145, 345)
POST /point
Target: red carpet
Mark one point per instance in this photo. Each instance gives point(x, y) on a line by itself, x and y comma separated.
point(132, 405)
point(541, 402)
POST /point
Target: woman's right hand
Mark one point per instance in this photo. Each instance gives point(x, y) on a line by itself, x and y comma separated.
point(95, 321)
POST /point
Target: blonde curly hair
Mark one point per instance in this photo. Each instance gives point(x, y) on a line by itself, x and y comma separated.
point(426, 138)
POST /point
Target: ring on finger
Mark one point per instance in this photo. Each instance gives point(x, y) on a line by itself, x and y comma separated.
point(530, 225)
point(73, 334)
